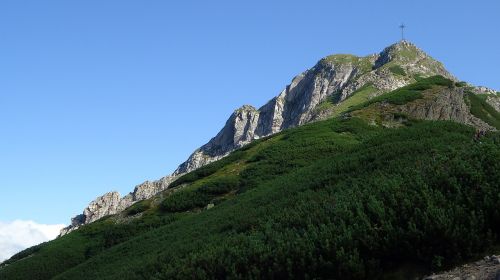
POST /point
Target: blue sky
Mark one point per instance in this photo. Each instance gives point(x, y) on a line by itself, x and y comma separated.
point(103, 95)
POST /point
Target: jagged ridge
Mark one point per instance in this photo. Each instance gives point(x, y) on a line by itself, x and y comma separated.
point(333, 79)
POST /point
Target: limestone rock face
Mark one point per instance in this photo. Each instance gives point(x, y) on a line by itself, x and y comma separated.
point(449, 105)
point(494, 101)
point(238, 131)
point(111, 203)
point(149, 189)
point(333, 79)
point(102, 206)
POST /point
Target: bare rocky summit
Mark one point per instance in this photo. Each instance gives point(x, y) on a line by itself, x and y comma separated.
point(331, 81)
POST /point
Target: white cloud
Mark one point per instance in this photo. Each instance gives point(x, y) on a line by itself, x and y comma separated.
point(18, 235)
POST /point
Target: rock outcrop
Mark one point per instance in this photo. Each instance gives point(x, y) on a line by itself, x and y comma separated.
point(494, 101)
point(333, 79)
point(112, 203)
point(486, 269)
point(492, 96)
point(448, 105)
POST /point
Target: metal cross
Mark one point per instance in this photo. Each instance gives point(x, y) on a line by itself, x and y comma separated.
point(402, 26)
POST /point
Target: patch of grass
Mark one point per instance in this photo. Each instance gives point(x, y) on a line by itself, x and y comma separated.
point(408, 93)
point(199, 195)
point(461, 84)
point(409, 53)
point(324, 105)
point(184, 200)
point(397, 70)
point(220, 186)
point(482, 110)
point(363, 63)
point(358, 97)
point(213, 167)
point(138, 207)
point(418, 77)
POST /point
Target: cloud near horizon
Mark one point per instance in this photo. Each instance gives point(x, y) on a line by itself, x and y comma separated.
point(18, 235)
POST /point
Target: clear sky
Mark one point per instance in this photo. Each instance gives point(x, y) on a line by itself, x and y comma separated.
point(102, 95)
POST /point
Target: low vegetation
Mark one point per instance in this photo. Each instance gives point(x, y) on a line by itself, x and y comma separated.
point(363, 64)
point(138, 207)
point(334, 199)
point(396, 69)
point(358, 97)
point(408, 93)
point(482, 110)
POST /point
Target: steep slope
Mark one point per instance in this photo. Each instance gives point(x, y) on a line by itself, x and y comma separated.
point(338, 199)
point(328, 89)
point(335, 78)
point(434, 98)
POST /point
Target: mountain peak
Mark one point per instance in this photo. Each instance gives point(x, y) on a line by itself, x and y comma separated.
point(412, 59)
point(402, 52)
point(315, 94)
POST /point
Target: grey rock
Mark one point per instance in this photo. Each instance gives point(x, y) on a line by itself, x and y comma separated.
point(494, 101)
point(484, 90)
point(332, 77)
point(449, 105)
point(412, 59)
point(102, 206)
point(111, 203)
point(481, 269)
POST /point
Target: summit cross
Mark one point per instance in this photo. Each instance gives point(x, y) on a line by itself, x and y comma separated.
point(402, 26)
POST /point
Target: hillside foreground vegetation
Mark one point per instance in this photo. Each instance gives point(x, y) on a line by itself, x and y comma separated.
point(338, 199)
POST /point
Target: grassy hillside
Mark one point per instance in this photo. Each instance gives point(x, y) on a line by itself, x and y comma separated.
point(335, 199)
point(481, 109)
point(407, 93)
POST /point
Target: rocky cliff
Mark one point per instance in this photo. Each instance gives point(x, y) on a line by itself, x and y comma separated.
point(332, 80)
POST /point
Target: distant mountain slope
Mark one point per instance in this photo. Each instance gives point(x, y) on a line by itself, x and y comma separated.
point(328, 89)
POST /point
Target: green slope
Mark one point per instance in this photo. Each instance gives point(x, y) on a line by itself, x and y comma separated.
point(481, 109)
point(334, 199)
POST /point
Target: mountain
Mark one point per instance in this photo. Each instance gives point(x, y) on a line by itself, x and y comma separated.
point(318, 93)
point(376, 167)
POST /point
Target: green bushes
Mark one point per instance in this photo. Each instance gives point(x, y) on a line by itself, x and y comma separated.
point(396, 69)
point(399, 97)
point(211, 168)
point(330, 200)
point(185, 200)
point(481, 109)
point(427, 83)
point(138, 207)
point(221, 186)
point(408, 93)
